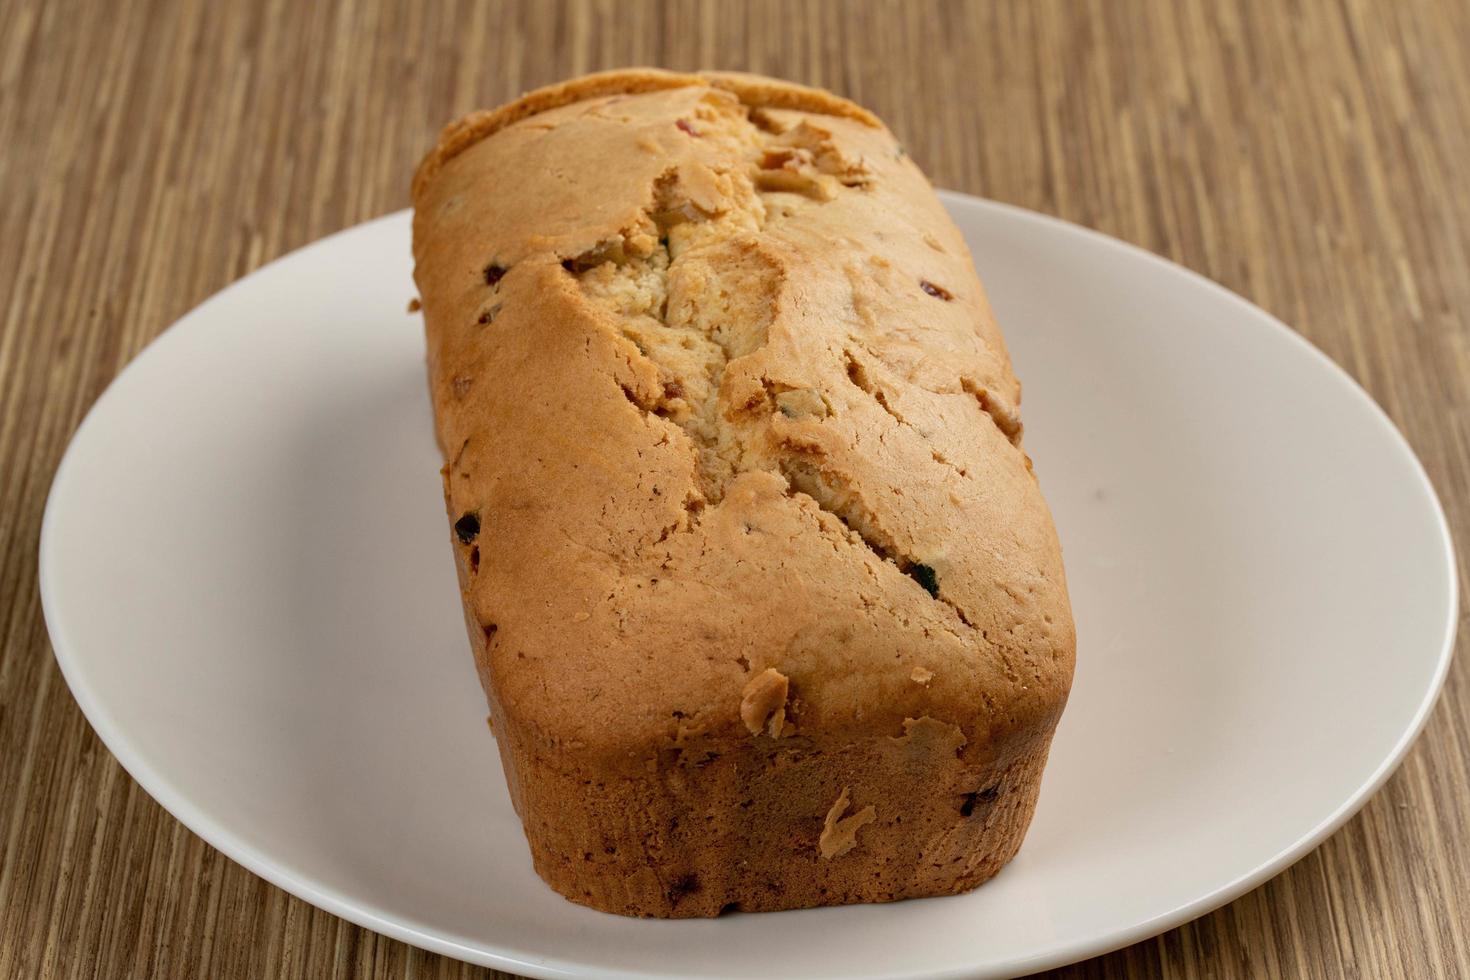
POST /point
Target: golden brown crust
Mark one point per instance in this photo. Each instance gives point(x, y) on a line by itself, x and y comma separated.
point(753, 90)
point(742, 521)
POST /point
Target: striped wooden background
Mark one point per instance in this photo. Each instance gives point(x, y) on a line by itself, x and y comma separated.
point(1312, 156)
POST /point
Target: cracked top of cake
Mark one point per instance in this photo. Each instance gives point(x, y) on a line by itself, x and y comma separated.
point(720, 394)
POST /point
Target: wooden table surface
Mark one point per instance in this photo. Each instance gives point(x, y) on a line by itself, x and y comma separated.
point(1311, 155)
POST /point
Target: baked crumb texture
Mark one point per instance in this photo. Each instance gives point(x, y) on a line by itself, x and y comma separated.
point(761, 588)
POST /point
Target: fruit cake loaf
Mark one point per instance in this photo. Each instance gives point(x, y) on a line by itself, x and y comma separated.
point(761, 588)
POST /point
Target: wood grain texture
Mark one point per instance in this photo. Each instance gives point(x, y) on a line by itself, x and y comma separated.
point(1309, 155)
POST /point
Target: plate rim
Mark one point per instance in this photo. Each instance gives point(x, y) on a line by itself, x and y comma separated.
point(368, 915)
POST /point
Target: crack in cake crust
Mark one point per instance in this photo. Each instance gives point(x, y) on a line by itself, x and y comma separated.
point(692, 349)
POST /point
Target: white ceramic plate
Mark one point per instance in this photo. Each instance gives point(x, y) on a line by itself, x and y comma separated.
point(247, 579)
